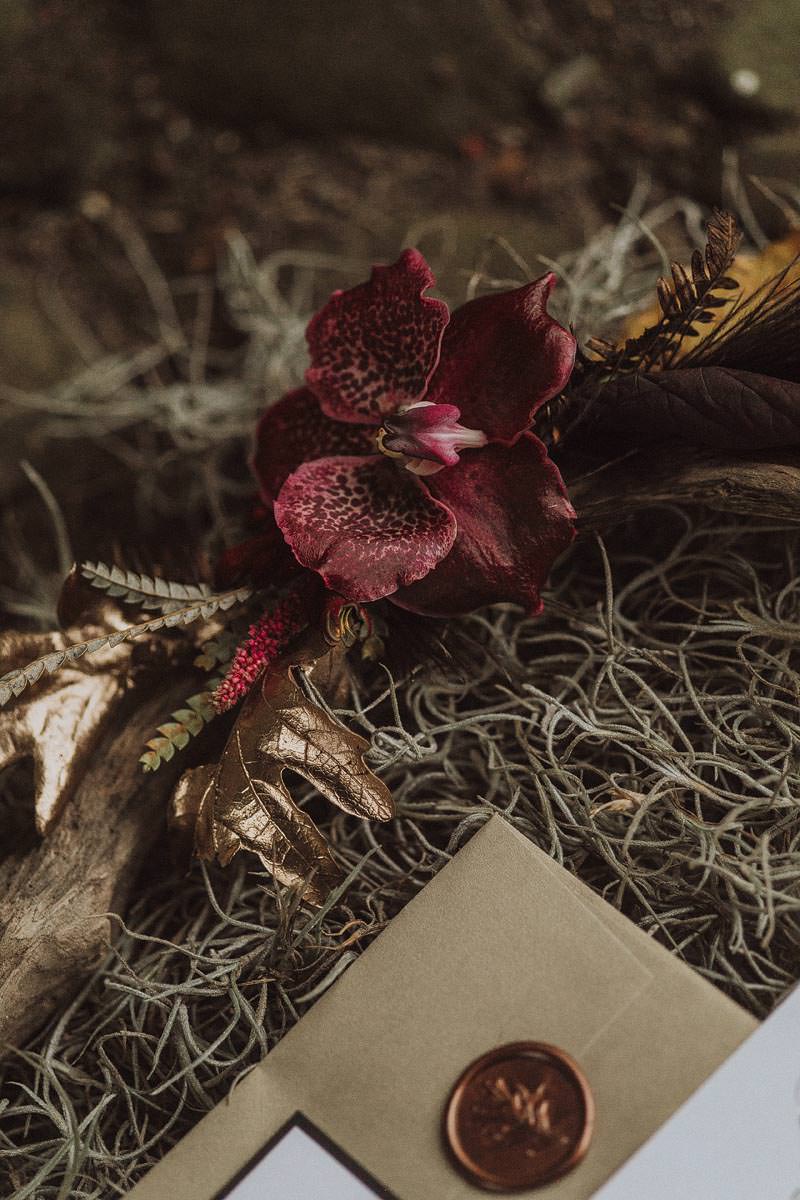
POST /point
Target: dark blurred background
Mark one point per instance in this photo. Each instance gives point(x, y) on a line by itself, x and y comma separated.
point(343, 127)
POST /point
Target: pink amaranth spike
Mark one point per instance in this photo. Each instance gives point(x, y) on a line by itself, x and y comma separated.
point(267, 639)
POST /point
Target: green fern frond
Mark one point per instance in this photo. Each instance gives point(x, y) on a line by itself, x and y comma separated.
point(218, 652)
point(15, 682)
point(176, 734)
point(147, 591)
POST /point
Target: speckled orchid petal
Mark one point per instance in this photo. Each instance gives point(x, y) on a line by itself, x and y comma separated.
point(502, 357)
point(295, 430)
point(366, 526)
point(514, 520)
point(373, 348)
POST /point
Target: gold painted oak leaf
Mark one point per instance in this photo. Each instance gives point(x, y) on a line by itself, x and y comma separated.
point(244, 803)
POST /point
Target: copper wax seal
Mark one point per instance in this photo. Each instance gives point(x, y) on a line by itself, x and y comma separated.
point(519, 1117)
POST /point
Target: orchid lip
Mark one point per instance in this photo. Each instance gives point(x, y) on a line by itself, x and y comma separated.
point(427, 436)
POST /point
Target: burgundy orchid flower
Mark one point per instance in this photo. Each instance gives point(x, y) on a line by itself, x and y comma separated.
point(406, 468)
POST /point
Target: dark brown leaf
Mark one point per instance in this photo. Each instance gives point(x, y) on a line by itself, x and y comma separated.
point(708, 406)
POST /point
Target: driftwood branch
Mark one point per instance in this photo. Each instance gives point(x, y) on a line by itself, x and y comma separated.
point(52, 901)
point(764, 485)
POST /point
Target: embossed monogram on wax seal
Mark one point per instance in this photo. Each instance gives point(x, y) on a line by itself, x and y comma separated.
point(519, 1116)
point(513, 1113)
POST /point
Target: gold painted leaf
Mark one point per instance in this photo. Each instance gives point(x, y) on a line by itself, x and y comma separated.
point(57, 723)
point(244, 803)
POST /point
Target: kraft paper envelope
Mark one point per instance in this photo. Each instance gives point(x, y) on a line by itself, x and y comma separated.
point(503, 945)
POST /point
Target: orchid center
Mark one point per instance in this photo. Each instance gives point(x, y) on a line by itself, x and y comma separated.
point(426, 437)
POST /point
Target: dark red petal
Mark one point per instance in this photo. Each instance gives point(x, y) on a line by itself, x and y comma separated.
point(375, 346)
point(365, 524)
point(296, 430)
point(514, 520)
point(502, 357)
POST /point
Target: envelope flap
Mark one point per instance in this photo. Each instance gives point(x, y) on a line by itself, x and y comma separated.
point(501, 946)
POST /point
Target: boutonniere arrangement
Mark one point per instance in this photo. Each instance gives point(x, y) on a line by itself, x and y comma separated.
point(433, 463)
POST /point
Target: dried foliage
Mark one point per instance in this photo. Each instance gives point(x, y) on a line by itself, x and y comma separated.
point(761, 333)
point(198, 710)
point(690, 298)
point(218, 651)
point(735, 387)
point(692, 294)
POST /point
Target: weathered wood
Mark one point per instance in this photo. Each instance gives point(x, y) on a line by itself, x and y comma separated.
point(764, 485)
point(52, 901)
